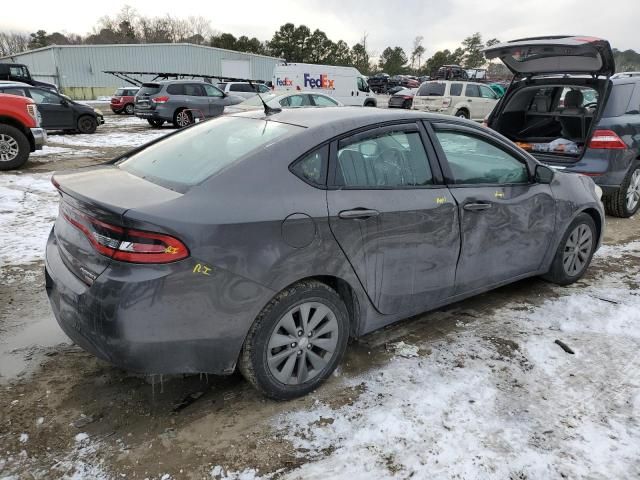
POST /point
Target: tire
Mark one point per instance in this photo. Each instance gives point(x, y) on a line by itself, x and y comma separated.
point(407, 104)
point(155, 123)
point(462, 114)
point(87, 124)
point(369, 104)
point(128, 109)
point(14, 147)
point(282, 378)
point(562, 270)
point(182, 118)
point(626, 201)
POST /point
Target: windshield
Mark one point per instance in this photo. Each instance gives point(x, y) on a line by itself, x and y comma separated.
point(431, 89)
point(191, 156)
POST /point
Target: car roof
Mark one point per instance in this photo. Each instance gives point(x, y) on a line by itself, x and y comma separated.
point(10, 83)
point(182, 80)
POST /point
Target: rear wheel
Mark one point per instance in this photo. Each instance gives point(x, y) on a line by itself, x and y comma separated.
point(182, 118)
point(369, 104)
point(626, 201)
point(155, 123)
point(462, 114)
point(87, 124)
point(406, 104)
point(128, 109)
point(14, 148)
point(574, 252)
point(296, 342)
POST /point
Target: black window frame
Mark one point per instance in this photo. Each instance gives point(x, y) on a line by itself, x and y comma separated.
point(375, 130)
point(324, 152)
point(512, 150)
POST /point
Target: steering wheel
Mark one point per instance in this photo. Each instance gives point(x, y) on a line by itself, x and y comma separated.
point(590, 105)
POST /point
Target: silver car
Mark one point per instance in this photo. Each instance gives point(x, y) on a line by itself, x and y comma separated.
point(181, 102)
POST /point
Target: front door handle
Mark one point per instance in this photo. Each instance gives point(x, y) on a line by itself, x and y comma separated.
point(358, 214)
point(475, 207)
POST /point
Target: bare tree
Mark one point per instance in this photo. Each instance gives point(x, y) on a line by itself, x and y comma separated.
point(12, 43)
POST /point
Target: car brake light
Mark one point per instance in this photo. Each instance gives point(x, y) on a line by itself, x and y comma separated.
point(407, 97)
point(606, 140)
point(446, 101)
point(125, 244)
point(160, 99)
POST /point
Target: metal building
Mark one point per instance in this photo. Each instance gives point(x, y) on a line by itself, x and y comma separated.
point(78, 69)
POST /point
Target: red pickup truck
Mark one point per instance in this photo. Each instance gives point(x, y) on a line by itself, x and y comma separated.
point(20, 132)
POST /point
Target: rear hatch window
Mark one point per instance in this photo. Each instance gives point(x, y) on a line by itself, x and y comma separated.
point(191, 156)
point(149, 89)
point(431, 89)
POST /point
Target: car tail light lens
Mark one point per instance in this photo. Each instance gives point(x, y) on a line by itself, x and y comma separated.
point(606, 140)
point(125, 244)
point(446, 101)
point(407, 97)
point(160, 99)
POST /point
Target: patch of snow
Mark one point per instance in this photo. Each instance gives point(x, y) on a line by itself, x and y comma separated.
point(219, 473)
point(28, 208)
point(110, 139)
point(24, 438)
point(81, 437)
point(404, 349)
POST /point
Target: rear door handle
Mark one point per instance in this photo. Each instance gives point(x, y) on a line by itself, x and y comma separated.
point(358, 214)
point(475, 207)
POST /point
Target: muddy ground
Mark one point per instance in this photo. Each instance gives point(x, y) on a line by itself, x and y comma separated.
point(52, 393)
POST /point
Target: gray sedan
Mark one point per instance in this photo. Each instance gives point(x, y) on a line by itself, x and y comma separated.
point(265, 241)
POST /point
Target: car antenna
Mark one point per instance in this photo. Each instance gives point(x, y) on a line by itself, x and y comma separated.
point(267, 109)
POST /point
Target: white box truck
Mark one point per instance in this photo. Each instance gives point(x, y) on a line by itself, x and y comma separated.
point(345, 84)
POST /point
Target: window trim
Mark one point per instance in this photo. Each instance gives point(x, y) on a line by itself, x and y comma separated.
point(366, 132)
point(324, 152)
point(443, 126)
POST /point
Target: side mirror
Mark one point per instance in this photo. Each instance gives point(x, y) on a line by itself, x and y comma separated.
point(544, 175)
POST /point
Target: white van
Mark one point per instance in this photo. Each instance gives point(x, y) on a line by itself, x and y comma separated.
point(345, 84)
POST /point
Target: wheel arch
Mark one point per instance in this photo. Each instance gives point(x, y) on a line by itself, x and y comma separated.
point(597, 219)
point(16, 124)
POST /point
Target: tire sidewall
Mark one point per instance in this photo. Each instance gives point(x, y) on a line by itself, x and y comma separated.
point(24, 148)
point(462, 114)
point(128, 109)
point(268, 321)
point(624, 190)
point(93, 126)
point(557, 273)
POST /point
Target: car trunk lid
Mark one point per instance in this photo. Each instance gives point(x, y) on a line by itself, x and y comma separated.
point(91, 217)
point(555, 54)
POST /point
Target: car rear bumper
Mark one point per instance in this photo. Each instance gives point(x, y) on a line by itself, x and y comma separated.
point(162, 319)
point(39, 137)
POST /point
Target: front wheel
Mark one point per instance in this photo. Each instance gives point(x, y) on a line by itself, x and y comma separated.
point(296, 342)
point(14, 147)
point(574, 252)
point(87, 124)
point(626, 201)
point(182, 118)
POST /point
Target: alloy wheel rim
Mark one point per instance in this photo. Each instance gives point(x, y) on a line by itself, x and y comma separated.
point(129, 109)
point(85, 124)
point(303, 343)
point(8, 148)
point(577, 250)
point(633, 192)
point(183, 119)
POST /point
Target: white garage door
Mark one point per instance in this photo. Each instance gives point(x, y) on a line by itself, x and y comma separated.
point(236, 68)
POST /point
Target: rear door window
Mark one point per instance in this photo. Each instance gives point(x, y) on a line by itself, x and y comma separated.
point(194, 90)
point(14, 91)
point(191, 156)
point(212, 91)
point(455, 89)
point(322, 101)
point(472, 90)
point(44, 96)
point(486, 92)
point(431, 89)
point(241, 87)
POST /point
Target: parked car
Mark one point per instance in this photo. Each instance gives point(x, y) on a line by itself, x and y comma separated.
point(626, 74)
point(123, 100)
point(345, 84)
point(243, 89)
point(20, 131)
point(17, 72)
point(402, 98)
point(292, 99)
point(462, 99)
point(563, 107)
point(306, 227)
point(181, 102)
point(378, 83)
point(396, 89)
point(58, 111)
point(451, 72)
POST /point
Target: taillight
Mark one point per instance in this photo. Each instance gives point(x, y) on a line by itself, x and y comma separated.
point(160, 99)
point(446, 101)
point(407, 97)
point(32, 110)
point(606, 140)
point(125, 244)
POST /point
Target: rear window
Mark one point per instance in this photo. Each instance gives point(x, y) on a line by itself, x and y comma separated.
point(149, 89)
point(455, 89)
point(241, 87)
point(619, 100)
point(120, 92)
point(191, 156)
point(431, 89)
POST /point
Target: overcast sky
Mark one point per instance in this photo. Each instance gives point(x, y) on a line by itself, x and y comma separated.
point(442, 23)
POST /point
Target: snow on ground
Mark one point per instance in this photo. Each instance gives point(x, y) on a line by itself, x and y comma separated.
point(28, 208)
point(479, 406)
point(109, 139)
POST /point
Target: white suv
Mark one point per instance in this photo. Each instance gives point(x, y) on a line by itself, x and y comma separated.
point(242, 89)
point(451, 97)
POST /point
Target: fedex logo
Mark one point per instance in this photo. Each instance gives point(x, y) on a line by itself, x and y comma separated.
point(284, 82)
point(321, 82)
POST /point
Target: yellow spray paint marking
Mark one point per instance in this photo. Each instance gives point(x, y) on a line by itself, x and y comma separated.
point(171, 250)
point(499, 194)
point(441, 200)
point(203, 269)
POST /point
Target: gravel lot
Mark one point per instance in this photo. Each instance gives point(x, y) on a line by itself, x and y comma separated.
point(476, 390)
